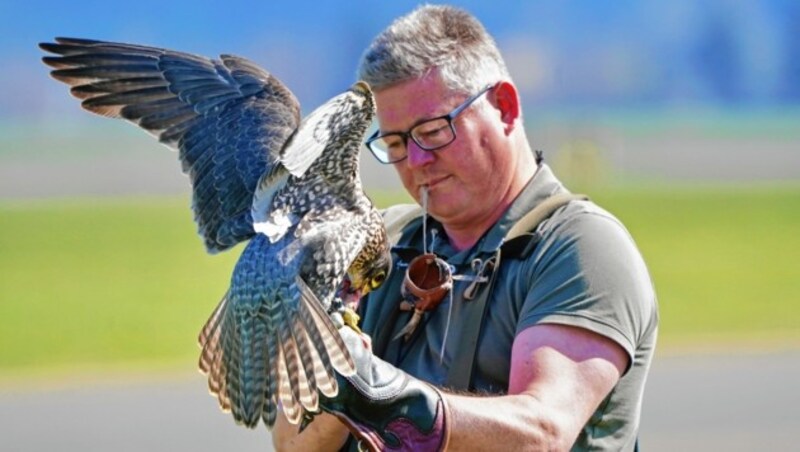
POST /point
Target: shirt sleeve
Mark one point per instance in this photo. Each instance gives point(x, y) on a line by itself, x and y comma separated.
point(587, 272)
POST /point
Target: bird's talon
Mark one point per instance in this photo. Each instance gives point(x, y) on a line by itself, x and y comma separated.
point(337, 319)
point(351, 319)
point(337, 305)
point(308, 418)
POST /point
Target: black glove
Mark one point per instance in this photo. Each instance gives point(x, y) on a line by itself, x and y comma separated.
point(385, 408)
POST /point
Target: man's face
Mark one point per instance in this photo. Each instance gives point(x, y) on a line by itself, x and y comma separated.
point(467, 180)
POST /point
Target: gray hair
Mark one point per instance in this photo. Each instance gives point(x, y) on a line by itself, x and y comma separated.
point(434, 37)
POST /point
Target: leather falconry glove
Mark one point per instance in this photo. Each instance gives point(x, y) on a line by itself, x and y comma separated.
point(384, 407)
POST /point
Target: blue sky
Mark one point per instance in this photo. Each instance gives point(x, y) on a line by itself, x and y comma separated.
point(562, 52)
point(312, 45)
point(580, 61)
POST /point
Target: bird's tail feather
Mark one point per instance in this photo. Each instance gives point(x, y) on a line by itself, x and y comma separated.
point(309, 397)
point(248, 372)
point(290, 405)
point(334, 345)
point(235, 358)
point(291, 361)
point(253, 361)
point(211, 358)
point(270, 411)
point(325, 378)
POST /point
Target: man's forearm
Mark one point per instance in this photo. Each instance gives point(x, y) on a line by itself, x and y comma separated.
point(325, 433)
point(512, 422)
point(476, 423)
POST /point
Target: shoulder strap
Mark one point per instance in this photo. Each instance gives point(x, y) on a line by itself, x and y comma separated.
point(522, 239)
point(542, 211)
point(398, 217)
point(459, 376)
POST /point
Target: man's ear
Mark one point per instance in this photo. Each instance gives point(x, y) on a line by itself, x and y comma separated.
point(506, 99)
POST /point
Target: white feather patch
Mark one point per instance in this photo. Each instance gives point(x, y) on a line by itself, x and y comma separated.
point(275, 226)
point(269, 185)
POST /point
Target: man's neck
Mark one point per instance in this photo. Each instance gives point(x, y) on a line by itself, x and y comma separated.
point(462, 237)
point(465, 235)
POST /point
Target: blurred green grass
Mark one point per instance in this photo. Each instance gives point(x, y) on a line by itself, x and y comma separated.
point(723, 259)
point(103, 281)
point(114, 281)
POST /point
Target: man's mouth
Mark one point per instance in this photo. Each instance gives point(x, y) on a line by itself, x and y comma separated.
point(434, 182)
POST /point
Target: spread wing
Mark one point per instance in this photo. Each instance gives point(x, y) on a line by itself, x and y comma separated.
point(228, 119)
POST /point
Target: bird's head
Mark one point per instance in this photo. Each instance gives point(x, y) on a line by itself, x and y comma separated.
point(354, 113)
point(362, 90)
point(366, 275)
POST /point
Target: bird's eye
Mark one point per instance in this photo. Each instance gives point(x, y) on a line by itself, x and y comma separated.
point(377, 280)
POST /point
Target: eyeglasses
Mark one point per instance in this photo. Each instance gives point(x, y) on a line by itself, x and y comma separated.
point(429, 135)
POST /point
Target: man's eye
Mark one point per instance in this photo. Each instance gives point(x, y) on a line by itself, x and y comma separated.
point(392, 142)
point(432, 132)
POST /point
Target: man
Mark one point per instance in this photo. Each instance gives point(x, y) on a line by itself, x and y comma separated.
point(567, 337)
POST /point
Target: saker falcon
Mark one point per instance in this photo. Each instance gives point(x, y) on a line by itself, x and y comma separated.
point(258, 173)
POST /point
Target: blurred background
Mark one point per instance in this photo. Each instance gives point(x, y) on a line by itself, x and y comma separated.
point(681, 117)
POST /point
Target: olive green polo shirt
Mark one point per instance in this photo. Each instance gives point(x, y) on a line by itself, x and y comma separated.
point(585, 271)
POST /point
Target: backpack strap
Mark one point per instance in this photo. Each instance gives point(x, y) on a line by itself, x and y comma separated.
point(518, 243)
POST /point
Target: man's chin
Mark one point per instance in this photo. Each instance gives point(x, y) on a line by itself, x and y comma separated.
point(442, 211)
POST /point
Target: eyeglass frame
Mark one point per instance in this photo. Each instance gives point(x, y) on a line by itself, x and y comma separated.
point(450, 117)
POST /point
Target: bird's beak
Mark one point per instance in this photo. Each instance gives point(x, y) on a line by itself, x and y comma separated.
point(351, 299)
point(350, 293)
point(365, 289)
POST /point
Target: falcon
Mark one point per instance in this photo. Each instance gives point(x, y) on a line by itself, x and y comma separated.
point(259, 173)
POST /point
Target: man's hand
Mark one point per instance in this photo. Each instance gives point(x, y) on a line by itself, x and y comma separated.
point(385, 408)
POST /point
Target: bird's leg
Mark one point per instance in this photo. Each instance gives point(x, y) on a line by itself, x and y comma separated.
point(351, 319)
point(345, 303)
point(342, 315)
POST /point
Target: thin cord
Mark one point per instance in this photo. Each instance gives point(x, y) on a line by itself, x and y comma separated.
point(446, 327)
point(434, 236)
point(424, 193)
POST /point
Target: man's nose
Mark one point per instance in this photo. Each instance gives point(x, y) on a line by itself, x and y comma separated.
point(418, 157)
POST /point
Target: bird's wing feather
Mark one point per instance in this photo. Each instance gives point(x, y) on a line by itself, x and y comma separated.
point(312, 136)
point(301, 152)
point(228, 119)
